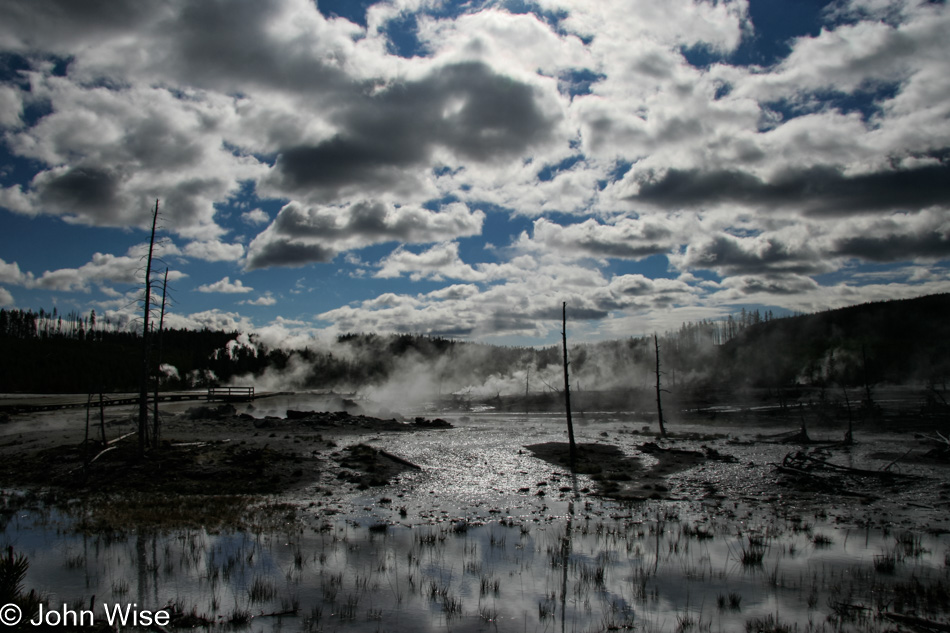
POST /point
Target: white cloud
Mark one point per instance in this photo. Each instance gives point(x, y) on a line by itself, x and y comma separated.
point(225, 285)
point(255, 216)
point(11, 107)
point(102, 267)
point(266, 299)
point(437, 263)
point(10, 273)
point(214, 251)
point(591, 122)
point(6, 299)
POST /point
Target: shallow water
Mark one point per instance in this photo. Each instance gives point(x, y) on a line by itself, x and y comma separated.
point(469, 544)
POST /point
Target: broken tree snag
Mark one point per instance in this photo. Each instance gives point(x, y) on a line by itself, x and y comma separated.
point(567, 389)
point(801, 436)
point(158, 364)
point(659, 402)
point(849, 435)
point(146, 306)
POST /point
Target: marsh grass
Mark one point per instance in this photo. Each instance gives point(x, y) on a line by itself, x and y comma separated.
point(752, 555)
point(885, 563)
point(767, 624)
point(911, 544)
point(599, 573)
point(261, 590)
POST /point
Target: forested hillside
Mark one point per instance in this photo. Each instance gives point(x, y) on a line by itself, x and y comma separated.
point(894, 342)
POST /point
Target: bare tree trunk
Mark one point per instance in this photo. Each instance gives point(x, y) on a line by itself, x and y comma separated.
point(146, 304)
point(102, 418)
point(161, 327)
point(659, 402)
point(567, 388)
point(85, 444)
point(803, 433)
point(867, 384)
point(849, 436)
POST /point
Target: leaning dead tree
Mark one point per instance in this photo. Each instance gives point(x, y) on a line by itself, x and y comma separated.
point(146, 307)
point(156, 427)
point(567, 388)
point(659, 390)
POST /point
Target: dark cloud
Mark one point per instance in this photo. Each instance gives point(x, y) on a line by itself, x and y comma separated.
point(221, 41)
point(81, 190)
point(652, 241)
point(894, 248)
point(466, 108)
point(773, 284)
point(817, 191)
point(291, 254)
point(734, 256)
point(372, 220)
point(337, 229)
point(60, 24)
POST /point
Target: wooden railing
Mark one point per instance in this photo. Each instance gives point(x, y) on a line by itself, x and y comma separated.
point(230, 393)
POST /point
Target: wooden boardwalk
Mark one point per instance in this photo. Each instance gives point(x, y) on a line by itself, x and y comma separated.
point(29, 403)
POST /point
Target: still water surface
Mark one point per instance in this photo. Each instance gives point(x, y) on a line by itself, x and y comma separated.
point(469, 544)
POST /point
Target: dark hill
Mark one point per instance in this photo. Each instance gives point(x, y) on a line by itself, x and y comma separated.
point(897, 342)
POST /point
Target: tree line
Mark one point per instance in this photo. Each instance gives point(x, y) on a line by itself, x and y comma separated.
point(894, 342)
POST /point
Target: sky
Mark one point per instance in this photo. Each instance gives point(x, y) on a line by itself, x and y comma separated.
point(460, 169)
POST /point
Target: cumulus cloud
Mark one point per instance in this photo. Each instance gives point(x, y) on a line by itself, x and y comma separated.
point(112, 152)
point(264, 300)
point(302, 235)
point(436, 263)
point(225, 285)
point(255, 216)
point(11, 106)
point(788, 251)
point(10, 273)
point(6, 299)
point(102, 268)
point(214, 251)
point(814, 191)
point(563, 144)
point(900, 237)
point(625, 238)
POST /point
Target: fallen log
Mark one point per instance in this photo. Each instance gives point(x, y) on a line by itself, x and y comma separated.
point(276, 614)
point(921, 624)
point(397, 459)
point(120, 438)
point(804, 463)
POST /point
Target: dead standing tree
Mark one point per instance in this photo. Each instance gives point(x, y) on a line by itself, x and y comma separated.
point(156, 427)
point(567, 389)
point(146, 307)
point(659, 390)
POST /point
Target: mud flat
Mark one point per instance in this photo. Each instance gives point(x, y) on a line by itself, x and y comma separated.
point(341, 521)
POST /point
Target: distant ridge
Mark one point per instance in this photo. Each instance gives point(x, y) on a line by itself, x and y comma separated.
point(898, 341)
